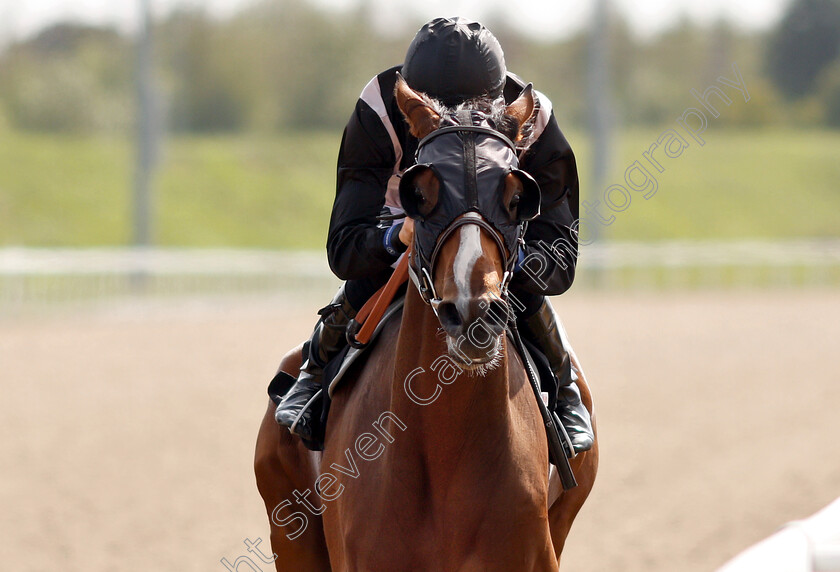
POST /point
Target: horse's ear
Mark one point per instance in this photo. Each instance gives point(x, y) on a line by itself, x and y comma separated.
point(522, 108)
point(418, 111)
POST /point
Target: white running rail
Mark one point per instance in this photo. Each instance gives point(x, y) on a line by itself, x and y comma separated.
point(36, 277)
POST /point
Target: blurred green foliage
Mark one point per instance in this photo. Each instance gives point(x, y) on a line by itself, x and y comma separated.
point(255, 104)
point(805, 43)
point(829, 95)
point(69, 78)
point(288, 64)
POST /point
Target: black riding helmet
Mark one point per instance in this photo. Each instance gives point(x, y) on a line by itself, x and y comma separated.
point(455, 59)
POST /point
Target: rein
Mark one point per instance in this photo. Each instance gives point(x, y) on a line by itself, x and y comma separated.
point(361, 328)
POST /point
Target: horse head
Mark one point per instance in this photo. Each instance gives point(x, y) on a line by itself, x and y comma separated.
point(470, 204)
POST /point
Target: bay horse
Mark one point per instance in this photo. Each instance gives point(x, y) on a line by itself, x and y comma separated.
point(435, 456)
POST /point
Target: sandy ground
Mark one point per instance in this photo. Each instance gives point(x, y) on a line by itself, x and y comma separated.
point(127, 434)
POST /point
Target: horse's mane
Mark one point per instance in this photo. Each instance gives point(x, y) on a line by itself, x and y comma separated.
point(494, 109)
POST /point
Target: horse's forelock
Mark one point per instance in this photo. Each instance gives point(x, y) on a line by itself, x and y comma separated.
point(494, 109)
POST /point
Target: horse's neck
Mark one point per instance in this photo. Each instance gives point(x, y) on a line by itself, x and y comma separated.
point(443, 414)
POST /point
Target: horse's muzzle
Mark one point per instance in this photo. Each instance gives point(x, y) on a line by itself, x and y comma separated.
point(473, 328)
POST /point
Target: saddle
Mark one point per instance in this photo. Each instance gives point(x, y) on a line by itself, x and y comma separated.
point(536, 364)
point(335, 370)
point(360, 332)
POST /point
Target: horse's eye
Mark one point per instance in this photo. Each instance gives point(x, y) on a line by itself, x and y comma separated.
point(514, 202)
point(418, 194)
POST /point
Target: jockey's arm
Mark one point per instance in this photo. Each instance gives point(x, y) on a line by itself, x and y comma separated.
point(547, 265)
point(355, 245)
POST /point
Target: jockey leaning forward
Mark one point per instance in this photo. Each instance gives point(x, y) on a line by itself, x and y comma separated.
point(453, 61)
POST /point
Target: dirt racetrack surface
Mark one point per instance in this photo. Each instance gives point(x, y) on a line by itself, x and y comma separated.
point(127, 433)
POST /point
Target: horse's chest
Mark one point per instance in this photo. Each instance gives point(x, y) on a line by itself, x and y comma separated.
point(463, 527)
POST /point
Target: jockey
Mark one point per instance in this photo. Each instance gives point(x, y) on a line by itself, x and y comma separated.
point(451, 60)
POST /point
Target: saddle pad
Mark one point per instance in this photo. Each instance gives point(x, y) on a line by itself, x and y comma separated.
point(335, 370)
point(353, 353)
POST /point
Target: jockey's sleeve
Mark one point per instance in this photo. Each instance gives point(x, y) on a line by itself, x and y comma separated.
point(355, 246)
point(551, 245)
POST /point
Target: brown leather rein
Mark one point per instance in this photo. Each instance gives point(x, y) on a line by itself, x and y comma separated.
point(361, 328)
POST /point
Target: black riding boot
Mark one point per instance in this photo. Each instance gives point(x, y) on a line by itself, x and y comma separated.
point(543, 329)
point(328, 339)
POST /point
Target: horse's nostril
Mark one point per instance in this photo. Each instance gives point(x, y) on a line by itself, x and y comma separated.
point(449, 316)
point(498, 313)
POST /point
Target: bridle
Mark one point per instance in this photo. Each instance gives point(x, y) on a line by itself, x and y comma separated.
point(420, 268)
point(467, 126)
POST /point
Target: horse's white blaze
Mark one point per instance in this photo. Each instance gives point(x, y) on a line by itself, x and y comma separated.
point(469, 251)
